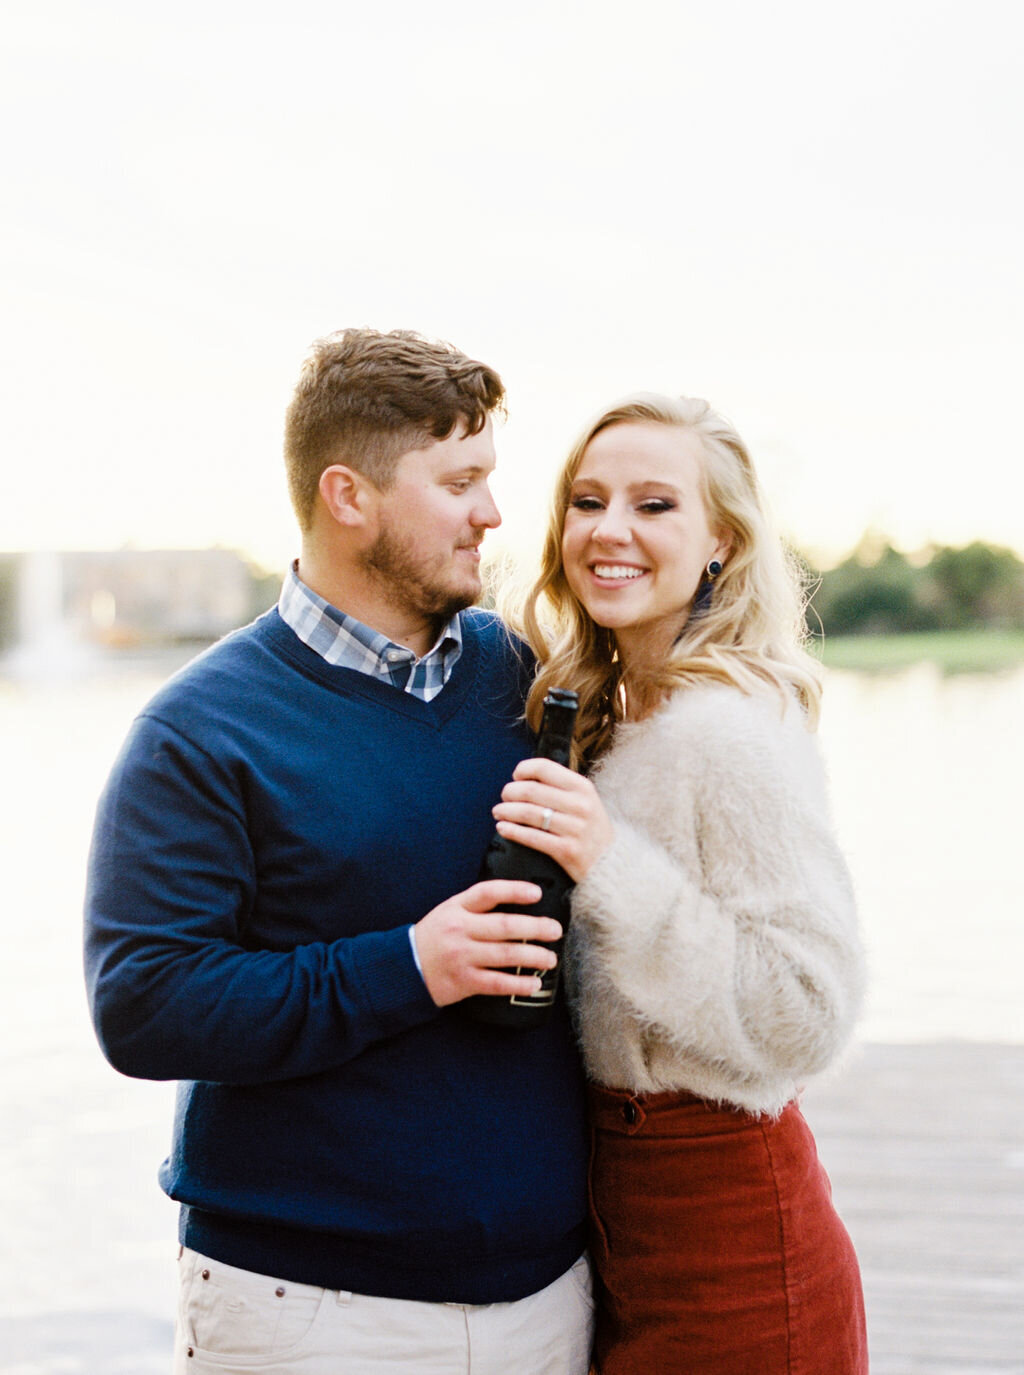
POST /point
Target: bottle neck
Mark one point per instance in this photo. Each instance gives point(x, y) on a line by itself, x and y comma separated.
point(555, 738)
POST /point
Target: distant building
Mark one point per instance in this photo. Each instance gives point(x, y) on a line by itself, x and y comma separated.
point(126, 598)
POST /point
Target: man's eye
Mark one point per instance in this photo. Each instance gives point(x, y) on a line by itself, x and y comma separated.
point(462, 485)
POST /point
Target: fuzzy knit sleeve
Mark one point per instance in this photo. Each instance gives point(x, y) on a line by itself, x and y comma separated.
point(716, 946)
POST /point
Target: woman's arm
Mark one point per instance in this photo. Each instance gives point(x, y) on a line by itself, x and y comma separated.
point(721, 908)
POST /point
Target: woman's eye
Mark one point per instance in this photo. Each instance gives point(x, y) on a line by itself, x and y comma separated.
point(585, 504)
point(655, 505)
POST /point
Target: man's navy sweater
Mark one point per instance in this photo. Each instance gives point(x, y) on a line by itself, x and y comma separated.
point(271, 829)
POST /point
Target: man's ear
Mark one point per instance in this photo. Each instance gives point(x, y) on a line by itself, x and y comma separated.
point(347, 494)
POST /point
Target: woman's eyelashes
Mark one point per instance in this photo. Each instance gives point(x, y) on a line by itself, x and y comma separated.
point(649, 506)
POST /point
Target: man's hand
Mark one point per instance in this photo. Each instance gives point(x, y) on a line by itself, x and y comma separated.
point(463, 945)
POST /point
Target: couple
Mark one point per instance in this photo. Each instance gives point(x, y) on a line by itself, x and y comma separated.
point(283, 912)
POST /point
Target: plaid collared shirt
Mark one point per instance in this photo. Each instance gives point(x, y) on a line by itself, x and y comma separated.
point(346, 642)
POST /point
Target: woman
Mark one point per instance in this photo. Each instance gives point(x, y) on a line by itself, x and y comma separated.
point(713, 958)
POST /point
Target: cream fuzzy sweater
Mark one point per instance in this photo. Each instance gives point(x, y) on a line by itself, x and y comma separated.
point(714, 944)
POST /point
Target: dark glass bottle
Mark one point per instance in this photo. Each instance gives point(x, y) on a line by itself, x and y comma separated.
point(509, 859)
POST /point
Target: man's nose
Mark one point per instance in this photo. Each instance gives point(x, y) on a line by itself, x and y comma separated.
point(486, 513)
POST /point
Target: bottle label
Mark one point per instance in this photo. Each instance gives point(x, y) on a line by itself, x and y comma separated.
point(548, 989)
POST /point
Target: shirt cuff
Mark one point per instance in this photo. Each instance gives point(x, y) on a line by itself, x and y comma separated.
point(415, 952)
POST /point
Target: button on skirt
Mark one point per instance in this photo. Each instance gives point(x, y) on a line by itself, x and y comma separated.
point(716, 1245)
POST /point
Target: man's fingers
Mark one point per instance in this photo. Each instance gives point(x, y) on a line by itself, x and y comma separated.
point(493, 955)
point(495, 982)
point(495, 892)
point(509, 926)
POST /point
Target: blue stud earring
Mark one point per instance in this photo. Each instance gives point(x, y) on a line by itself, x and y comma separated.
point(702, 600)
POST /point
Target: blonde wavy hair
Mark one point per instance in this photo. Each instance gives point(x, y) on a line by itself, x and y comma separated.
point(749, 633)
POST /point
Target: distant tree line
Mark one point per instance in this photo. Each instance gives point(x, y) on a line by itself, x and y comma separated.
point(878, 590)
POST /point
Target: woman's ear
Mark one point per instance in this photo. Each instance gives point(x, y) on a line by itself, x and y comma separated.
point(724, 546)
point(347, 494)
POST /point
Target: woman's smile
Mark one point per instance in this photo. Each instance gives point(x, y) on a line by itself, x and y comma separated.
point(615, 572)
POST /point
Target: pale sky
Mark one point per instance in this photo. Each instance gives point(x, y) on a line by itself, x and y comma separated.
point(810, 214)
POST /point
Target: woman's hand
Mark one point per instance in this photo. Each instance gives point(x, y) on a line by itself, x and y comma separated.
point(558, 812)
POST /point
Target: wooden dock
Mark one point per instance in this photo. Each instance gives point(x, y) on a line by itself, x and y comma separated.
point(924, 1145)
point(925, 1148)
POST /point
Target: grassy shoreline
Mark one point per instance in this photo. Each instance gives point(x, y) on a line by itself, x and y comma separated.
point(952, 651)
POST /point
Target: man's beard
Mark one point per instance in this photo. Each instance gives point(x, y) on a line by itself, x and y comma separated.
point(413, 583)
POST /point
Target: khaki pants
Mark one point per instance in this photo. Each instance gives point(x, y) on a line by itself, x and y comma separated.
point(231, 1320)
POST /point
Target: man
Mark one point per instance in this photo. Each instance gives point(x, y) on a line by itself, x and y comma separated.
point(282, 911)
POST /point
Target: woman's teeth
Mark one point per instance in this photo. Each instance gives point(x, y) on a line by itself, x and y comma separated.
point(615, 570)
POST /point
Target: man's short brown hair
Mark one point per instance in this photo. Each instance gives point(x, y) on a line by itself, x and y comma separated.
point(365, 398)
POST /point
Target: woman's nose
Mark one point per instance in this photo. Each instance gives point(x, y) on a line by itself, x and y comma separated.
point(612, 528)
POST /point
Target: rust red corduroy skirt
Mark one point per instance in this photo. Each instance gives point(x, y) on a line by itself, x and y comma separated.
point(716, 1245)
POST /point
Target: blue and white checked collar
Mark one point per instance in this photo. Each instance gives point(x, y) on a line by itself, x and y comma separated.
point(347, 643)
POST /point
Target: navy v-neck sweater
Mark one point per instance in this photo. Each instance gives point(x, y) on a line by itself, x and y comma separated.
point(270, 830)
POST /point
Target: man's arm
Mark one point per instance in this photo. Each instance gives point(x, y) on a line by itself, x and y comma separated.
point(175, 993)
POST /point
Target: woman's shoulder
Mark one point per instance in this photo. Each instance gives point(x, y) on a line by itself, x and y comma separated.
point(718, 711)
point(732, 735)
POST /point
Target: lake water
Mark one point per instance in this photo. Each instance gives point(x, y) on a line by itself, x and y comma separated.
point(926, 780)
